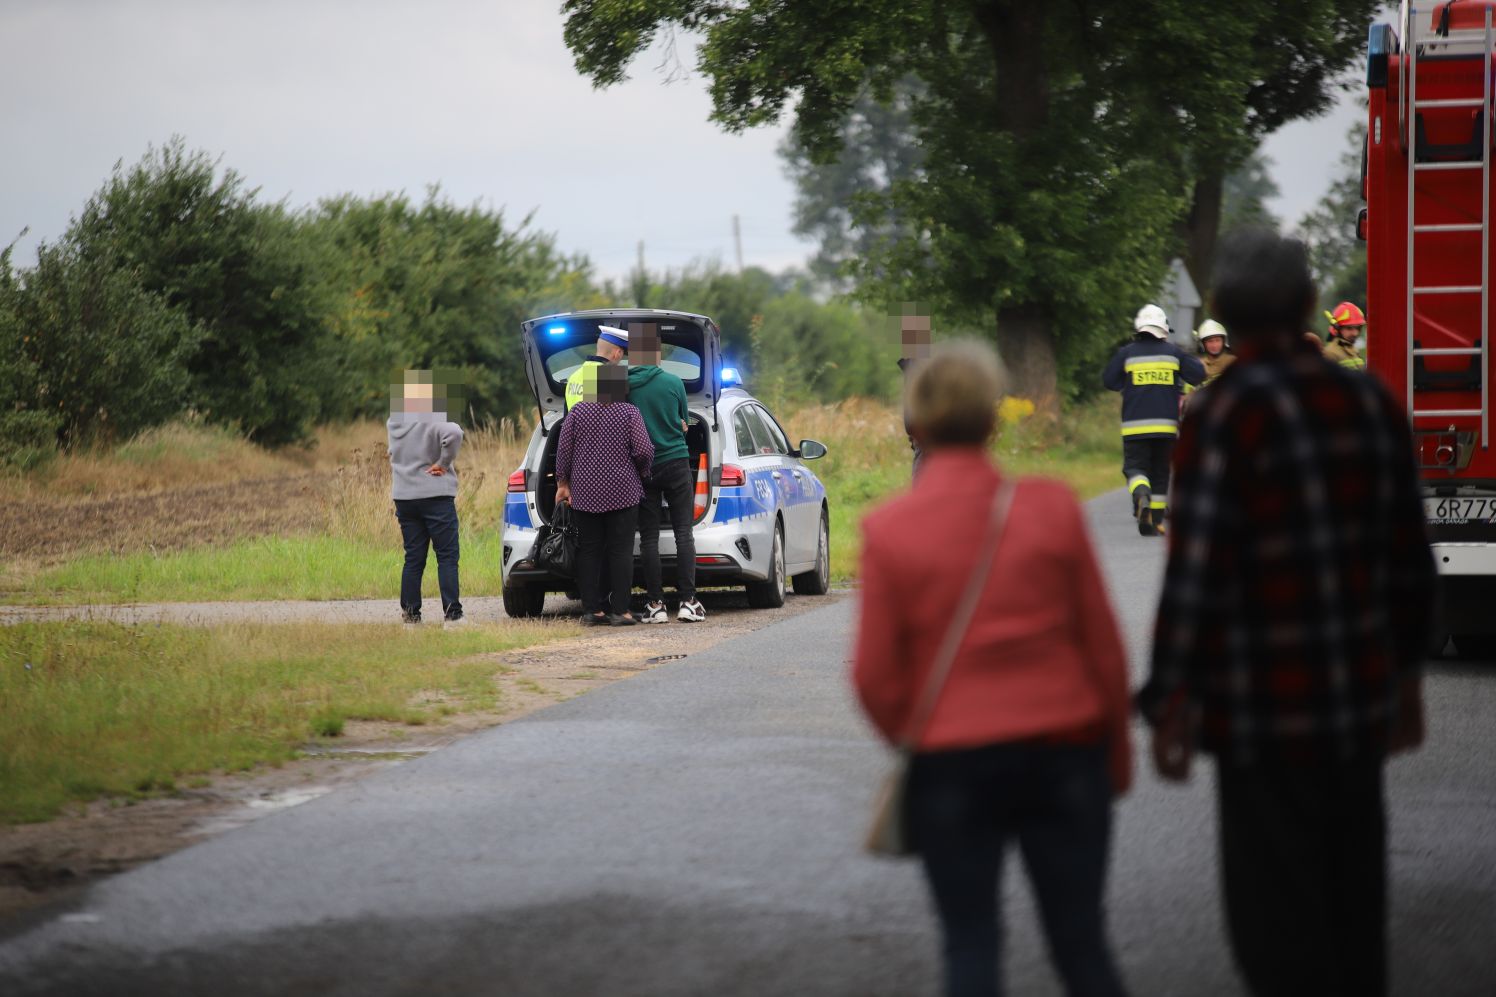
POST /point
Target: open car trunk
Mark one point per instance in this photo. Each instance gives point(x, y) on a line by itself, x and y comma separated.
point(697, 438)
point(556, 345)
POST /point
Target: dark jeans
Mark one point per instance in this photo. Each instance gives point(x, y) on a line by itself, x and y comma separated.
point(1304, 871)
point(606, 537)
point(673, 482)
point(1148, 460)
point(430, 521)
point(1056, 800)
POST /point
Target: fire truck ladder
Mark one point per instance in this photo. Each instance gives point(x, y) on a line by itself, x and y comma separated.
point(1410, 142)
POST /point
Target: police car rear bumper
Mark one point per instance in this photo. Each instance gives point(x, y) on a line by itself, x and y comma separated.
point(711, 569)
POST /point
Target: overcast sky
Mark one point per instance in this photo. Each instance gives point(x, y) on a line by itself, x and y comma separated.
point(310, 98)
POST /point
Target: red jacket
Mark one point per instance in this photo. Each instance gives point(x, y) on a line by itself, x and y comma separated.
point(1042, 657)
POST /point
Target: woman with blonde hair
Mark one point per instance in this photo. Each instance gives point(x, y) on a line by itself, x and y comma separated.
point(1019, 729)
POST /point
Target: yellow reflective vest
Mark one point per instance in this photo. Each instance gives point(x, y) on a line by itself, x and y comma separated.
point(575, 381)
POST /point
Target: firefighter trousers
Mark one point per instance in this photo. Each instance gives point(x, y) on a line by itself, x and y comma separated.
point(1145, 464)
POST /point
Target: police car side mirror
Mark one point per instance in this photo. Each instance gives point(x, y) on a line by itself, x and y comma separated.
point(811, 450)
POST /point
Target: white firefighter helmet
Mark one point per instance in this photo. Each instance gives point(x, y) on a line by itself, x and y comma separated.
point(1152, 320)
point(1210, 327)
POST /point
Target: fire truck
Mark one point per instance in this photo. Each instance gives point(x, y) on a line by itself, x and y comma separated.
point(1426, 181)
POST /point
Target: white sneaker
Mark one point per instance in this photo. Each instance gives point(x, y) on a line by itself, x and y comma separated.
point(461, 621)
point(691, 612)
point(655, 612)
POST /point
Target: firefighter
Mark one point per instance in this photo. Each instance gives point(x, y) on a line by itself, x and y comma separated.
point(1215, 349)
point(1151, 373)
point(1346, 325)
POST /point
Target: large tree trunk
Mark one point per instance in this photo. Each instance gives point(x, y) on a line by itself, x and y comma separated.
point(1025, 341)
point(1202, 227)
point(1025, 332)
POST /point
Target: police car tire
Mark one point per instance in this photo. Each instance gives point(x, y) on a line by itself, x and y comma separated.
point(817, 581)
point(769, 593)
point(521, 601)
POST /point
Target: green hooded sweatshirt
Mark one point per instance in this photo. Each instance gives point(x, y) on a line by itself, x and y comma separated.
point(661, 398)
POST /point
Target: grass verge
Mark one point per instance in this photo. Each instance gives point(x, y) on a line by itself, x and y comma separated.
point(89, 710)
point(300, 567)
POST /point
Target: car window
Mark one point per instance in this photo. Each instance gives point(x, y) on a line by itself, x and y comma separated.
point(563, 363)
point(780, 443)
point(763, 440)
point(746, 446)
point(682, 362)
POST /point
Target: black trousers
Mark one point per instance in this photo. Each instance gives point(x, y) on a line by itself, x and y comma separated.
point(1304, 871)
point(606, 538)
point(429, 522)
point(671, 481)
point(1055, 801)
point(1145, 462)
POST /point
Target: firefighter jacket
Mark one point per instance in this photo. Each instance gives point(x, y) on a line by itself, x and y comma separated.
point(1216, 366)
point(1151, 374)
point(1338, 351)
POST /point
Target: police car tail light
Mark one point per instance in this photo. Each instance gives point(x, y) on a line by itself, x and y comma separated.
point(733, 476)
point(517, 481)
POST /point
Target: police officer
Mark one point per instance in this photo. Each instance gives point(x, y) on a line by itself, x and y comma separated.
point(1151, 373)
point(612, 346)
point(1347, 322)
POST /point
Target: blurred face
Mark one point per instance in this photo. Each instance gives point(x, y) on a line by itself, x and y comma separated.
point(418, 398)
point(914, 337)
point(605, 384)
point(644, 345)
point(1214, 345)
point(1350, 333)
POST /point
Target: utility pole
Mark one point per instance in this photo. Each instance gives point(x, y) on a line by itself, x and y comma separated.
point(737, 240)
point(641, 280)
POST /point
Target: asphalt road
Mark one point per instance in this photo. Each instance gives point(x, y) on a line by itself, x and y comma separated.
point(694, 830)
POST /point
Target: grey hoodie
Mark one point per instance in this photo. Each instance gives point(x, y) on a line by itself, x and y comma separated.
point(418, 440)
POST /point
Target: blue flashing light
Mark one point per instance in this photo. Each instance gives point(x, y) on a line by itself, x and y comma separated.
point(731, 378)
point(557, 330)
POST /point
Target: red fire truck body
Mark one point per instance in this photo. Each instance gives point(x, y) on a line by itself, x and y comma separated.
point(1427, 225)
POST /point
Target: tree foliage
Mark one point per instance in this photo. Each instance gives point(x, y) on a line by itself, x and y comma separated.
point(1245, 196)
point(234, 267)
point(1059, 139)
point(879, 148)
point(1336, 257)
point(436, 285)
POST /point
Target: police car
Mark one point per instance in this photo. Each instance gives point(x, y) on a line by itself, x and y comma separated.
point(763, 521)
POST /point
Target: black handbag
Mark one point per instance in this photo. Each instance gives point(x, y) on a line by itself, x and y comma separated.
point(556, 550)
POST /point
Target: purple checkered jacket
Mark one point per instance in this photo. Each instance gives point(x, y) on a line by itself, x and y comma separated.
point(604, 453)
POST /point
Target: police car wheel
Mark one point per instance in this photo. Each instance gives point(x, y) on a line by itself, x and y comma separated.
point(769, 593)
point(818, 580)
point(521, 601)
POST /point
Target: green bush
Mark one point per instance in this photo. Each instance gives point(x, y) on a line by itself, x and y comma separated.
point(430, 286)
point(85, 354)
point(239, 270)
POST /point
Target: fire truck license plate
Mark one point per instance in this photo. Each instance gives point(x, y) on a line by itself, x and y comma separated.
point(1460, 510)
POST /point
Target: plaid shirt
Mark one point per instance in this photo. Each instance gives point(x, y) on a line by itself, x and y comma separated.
point(1299, 583)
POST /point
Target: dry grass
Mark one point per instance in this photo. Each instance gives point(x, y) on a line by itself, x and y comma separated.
point(357, 503)
point(190, 512)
